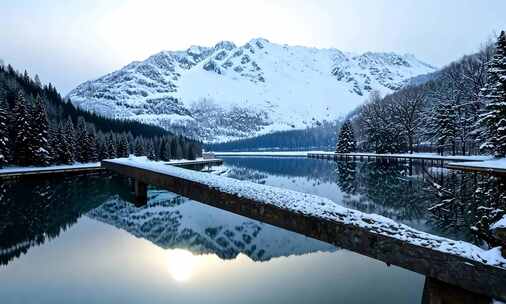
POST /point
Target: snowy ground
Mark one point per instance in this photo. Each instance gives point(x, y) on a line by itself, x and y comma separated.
point(501, 224)
point(14, 170)
point(272, 153)
point(326, 209)
point(492, 164)
point(10, 170)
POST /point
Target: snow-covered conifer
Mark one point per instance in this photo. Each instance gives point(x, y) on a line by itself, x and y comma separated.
point(23, 146)
point(122, 149)
point(346, 139)
point(39, 134)
point(443, 125)
point(110, 146)
point(139, 147)
point(81, 137)
point(4, 134)
point(494, 94)
point(90, 144)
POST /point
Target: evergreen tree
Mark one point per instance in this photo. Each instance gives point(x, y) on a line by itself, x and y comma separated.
point(81, 136)
point(53, 141)
point(192, 153)
point(139, 147)
point(4, 134)
point(64, 144)
point(346, 139)
point(69, 134)
point(150, 149)
point(90, 144)
point(39, 135)
point(175, 147)
point(167, 152)
point(443, 126)
point(103, 152)
point(494, 94)
point(23, 146)
point(123, 146)
point(161, 149)
point(110, 146)
point(131, 143)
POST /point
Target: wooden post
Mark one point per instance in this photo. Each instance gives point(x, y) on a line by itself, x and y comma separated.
point(141, 193)
point(437, 292)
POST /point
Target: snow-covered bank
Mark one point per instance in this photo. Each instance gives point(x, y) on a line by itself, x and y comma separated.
point(270, 153)
point(92, 166)
point(501, 224)
point(13, 170)
point(315, 206)
point(492, 164)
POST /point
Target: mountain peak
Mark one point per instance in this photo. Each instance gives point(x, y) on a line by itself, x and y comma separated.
point(228, 92)
point(226, 45)
point(259, 41)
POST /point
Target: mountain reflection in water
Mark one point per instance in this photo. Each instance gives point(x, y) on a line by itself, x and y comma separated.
point(80, 239)
point(171, 221)
point(34, 212)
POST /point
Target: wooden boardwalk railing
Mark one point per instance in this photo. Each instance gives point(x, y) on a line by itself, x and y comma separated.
point(390, 242)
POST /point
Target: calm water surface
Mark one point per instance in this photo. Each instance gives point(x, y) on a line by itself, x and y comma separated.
point(80, 240)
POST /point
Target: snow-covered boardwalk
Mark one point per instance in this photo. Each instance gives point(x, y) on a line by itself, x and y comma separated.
point(269, 153)
point(51, 170)
point(14, 172)
point(401, 156)
point(454, 262)
point(494, 166)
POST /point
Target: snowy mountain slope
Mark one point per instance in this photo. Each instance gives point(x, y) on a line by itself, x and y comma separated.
point(173, 222)
point(228, 91)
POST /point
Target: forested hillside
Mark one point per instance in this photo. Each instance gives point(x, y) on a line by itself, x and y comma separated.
point(318, 138)
point(459, 110)
point(39, 127)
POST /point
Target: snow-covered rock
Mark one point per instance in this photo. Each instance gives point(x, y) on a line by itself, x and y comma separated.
point(228, 91)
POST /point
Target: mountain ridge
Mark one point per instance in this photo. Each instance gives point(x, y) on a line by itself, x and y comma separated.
point(229, 92)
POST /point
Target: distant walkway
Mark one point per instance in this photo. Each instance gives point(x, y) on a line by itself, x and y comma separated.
point(399, 156)
point(494, 167)
point(269, 153)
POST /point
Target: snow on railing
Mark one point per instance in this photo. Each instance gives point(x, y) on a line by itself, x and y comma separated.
point(325, 209)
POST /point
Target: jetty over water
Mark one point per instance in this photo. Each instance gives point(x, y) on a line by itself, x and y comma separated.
point(453, 262)
point(428, 157)
point(76, 169)
point(51, 170)
point(492, 167)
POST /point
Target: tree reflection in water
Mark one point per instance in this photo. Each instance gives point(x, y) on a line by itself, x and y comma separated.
point(33, 211)
point(433, 199)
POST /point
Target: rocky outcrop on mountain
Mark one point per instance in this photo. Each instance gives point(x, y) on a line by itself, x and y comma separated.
point(230, 92)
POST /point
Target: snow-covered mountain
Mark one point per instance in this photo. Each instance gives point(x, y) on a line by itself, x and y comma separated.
point(228, 92)
point(174, 222)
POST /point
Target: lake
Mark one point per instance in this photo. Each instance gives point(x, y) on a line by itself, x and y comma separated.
point(81, 240)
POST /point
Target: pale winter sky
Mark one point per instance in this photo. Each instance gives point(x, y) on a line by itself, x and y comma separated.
point(68, 41)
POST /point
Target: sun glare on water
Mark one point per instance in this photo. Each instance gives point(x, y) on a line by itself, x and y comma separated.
point(181, 264)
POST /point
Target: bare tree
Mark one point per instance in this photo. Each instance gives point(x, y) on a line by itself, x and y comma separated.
point(408, 106)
